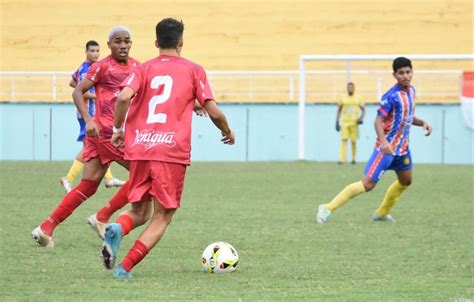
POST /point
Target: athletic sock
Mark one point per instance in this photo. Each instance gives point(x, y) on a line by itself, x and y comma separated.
point(117, 202)
point(342, 152)
point(75, 169)
point(345, 195)
point(391, 197)
point(85, 189)
point(354, 150)
point(126, 222)
point(108, 175)
point(134, 255)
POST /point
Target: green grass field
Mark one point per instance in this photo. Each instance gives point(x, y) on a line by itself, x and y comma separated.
point(267, 211)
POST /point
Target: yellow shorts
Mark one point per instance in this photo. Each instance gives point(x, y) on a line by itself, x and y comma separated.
point(350, 132)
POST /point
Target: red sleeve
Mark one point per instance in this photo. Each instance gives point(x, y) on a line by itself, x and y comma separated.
point(203, 89)
point(94, 73)
point(133, 81)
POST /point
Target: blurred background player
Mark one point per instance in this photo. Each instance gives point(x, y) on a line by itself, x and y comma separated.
point(352, 110)
point(92, 56)
point(394, 118)
point(106, 76)
point(157, 140)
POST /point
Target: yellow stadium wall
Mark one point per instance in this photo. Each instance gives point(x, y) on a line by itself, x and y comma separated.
point(234, 35)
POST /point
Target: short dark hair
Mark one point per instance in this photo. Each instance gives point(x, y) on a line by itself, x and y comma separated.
point(350, 83)
point(91, 43)
point(401, 62)
point(169, 32)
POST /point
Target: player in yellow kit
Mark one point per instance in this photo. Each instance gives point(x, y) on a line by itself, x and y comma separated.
point(351, 110)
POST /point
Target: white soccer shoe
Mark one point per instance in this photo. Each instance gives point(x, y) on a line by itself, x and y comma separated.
point(114, 182)
point(41, 238)
point(377, 217)
point(323, 214)
point(97, 226)
point(66, 184)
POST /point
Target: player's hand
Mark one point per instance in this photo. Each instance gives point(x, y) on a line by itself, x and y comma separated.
point(200, 111)
point(338, 126)
point(228, 138)
point(92, 129)
point(360, 121)
point(386, 147)
point(117, 139)
point(427, 128)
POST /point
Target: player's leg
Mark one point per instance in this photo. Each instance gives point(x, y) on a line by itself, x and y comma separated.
point(138, 215)
point(344, 138)
point(374, 170)
point(404, 173)
point(354, 135)
point(74, 170)
point(99, 220)
point(110, 181)
point(146, 241)
point(93, 173)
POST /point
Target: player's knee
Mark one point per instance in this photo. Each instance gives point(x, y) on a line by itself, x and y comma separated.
point(405, 182)
point(369, 185)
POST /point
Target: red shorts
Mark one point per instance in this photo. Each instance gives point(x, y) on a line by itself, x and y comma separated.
point(101, 148)
point(161, 180)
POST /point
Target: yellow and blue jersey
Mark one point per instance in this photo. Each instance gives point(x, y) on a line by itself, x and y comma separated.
point(78, 76)
point(397, 107)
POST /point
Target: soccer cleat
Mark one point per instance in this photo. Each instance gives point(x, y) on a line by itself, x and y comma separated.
point(377, 217)
point(323, 214)
point(353, 162)
point(113, 182)
point(112, 239)
point(41, 238)
point(121, 273)
point(66, 184)
point(97, 226)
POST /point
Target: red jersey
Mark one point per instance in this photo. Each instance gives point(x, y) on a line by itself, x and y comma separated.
point(107, 75)
point(158, 123)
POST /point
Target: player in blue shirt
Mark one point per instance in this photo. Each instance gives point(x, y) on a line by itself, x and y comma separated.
point(92, 56)
point(394, 118)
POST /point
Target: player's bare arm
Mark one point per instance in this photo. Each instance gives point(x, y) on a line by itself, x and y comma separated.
point(78, 96)
point(219, 119)
point(386, 146)
point(362, 115)
point(338, 116)
point(72, 83)
point(199, 110)
point(121, 107)
point(421, 123)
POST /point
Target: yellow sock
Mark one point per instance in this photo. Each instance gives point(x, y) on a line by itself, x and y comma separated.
point(342, 153)
point(108, 175)
point(354, 150)
point(391, 197)
point(75, 169)
point(345, 195)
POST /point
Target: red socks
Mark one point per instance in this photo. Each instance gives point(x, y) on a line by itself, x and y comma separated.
point(134, 256)
point(126, 222)
point(116, 203)
point(85, 189)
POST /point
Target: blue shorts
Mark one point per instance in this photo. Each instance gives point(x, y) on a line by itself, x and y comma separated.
point(82, 131)
point(379, 163)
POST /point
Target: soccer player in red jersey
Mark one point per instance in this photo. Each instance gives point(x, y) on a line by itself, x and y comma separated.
point(156, 135)
point(106, 76)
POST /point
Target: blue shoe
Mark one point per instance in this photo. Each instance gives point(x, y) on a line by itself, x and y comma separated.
point(110, 248)
point(121, 273)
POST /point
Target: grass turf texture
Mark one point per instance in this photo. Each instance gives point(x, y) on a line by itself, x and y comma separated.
point(267, 211)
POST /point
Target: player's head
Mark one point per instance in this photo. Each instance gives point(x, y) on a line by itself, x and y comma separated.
point(169, 34)
point(92, 51)
point(402, 71)
point(350, 88)
point(120, 41)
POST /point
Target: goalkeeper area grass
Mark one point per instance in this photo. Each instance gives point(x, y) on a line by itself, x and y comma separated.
point(267, 212)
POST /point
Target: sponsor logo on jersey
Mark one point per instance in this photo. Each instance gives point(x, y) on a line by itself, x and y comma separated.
point(150, 138)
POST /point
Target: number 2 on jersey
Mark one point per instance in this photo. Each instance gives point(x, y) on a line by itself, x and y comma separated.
point(157, 117)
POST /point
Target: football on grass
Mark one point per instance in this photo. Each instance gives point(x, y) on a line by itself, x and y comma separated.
point(220, 257)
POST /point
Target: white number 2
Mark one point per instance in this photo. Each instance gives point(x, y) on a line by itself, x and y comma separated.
point(156, 117)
